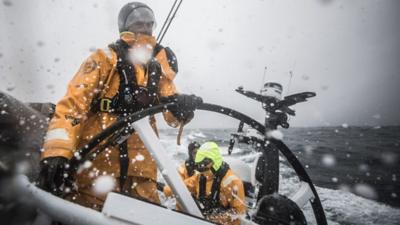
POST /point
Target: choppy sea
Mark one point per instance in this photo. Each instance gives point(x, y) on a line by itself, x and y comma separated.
point(356, 169)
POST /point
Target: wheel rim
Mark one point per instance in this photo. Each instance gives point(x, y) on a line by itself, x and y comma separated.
point(286, 152)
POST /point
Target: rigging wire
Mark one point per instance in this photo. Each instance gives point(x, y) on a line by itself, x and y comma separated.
point(168, 20)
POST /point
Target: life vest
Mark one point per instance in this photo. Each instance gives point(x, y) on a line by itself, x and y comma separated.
point(210, 204)
point(130, 96)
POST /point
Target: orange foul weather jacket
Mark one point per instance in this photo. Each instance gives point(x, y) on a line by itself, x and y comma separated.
point(232, 196)
point(74, 124)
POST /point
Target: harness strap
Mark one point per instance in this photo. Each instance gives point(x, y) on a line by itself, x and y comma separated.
point(127, 77)
point(202, 187)
point(211, 203)
point(216, 186)
point(130, 96)
point(154, 72)
point(124, 164)
point(189, 164)
point(157, 49)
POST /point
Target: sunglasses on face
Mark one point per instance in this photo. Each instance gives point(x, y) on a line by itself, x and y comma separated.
point(204, 165)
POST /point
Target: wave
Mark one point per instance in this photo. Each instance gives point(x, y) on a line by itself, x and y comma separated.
point(341, 207)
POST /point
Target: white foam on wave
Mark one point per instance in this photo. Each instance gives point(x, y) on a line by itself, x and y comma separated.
point(347, 208)
point(341, 207)
point(199, 134)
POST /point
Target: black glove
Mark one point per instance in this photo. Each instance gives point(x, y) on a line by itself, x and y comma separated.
point(51, 175)
point(186, 104)
point(160, 186)
point(193, 146)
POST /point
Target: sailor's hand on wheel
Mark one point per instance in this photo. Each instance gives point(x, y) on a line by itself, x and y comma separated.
point(51, 175)
point(186, 104)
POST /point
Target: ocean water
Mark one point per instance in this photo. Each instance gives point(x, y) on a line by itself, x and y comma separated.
point(355, 169)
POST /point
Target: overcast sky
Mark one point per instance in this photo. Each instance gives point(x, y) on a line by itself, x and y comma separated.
point(346, 51)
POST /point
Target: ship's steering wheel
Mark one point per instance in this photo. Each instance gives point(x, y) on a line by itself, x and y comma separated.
point(123, 126)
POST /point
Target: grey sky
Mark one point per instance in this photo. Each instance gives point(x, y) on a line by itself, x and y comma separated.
point(346, 51)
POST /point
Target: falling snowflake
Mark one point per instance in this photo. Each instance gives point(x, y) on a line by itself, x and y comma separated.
point(275, 134)
point(23, 167)
point(328, 160)
point(139, 157)
point(366, 191)
point(363, 167)
point(389, 158)
point(104, 184)
point(22, 122)
point(344, 187)
point(308, 149)
point(87, 164)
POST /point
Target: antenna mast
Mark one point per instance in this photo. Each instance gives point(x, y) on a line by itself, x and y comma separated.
point(290, 82)
point(263, 81)
point(291, 76)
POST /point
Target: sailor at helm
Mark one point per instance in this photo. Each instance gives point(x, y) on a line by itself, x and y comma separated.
point(128, 76)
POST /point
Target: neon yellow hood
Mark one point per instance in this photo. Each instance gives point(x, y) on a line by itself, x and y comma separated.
point(211, 151)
